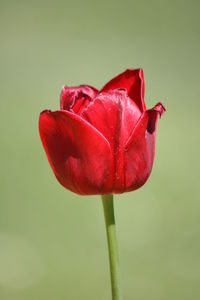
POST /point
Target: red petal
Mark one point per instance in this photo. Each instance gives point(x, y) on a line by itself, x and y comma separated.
point(131, 80)
point(140, 149)
point(78, 154)
point(114, 115)
point(76, 98)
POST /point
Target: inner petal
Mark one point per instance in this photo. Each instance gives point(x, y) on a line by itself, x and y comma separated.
point(75, 99)
point(114, 115)
point(132, 80)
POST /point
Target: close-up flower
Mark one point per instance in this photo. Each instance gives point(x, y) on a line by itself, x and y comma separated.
point(90, 159)
point(102, 141)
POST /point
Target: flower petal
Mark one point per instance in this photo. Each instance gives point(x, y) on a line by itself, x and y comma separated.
point(78, 154)
point(114, 115)
point(76, 98)
point(131, 80)
point(140, 149)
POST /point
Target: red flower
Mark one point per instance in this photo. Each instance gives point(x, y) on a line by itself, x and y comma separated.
point(102, 142)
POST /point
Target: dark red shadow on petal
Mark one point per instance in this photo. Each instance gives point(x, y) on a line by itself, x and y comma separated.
point(157, 109)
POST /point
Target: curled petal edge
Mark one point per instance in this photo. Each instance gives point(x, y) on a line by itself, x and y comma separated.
point(73, 92)
point(148, 120)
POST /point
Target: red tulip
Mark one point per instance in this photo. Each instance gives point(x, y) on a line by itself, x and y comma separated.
point(102, 142)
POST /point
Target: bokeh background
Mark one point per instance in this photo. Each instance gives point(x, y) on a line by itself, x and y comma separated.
point(52, 242)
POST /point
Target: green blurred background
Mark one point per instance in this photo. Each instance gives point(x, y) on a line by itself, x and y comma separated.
point(52, 242)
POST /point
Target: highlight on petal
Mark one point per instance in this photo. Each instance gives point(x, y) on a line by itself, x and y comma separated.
point(140, 149)
point(78, 154)
point(76, 98)
point(132, 80)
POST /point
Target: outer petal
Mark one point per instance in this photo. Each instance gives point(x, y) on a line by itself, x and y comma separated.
point(76, 98)
point(78, 154)
point(140, 149)
point(132, 80)
point(114, 115)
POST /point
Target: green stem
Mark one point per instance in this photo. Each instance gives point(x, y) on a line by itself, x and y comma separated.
point(112, 246)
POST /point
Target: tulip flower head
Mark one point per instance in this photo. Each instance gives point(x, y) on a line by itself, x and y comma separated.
point(102, 141)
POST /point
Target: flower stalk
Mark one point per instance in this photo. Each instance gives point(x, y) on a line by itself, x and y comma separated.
point(108, 207)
